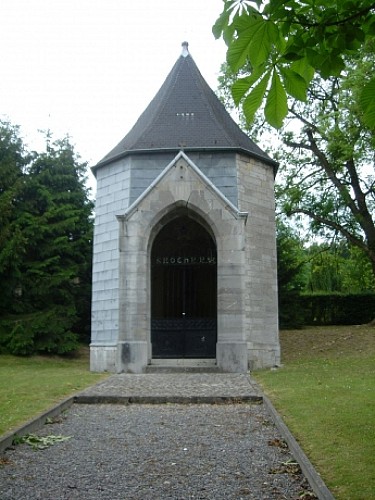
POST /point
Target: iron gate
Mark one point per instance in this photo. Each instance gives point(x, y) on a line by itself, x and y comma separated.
point(184, 290)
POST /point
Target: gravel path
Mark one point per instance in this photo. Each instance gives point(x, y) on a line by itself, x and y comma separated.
point(170, 451)
point(169, 385)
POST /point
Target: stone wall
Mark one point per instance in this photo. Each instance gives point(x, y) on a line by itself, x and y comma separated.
point(113, 190)
point(256, 196)
point(247, 295)
point(219, 168)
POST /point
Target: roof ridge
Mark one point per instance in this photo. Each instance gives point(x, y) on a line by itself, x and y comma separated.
point(210, 109)
point(156, 101)
point(176, 69)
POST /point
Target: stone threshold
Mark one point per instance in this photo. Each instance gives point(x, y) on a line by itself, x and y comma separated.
point(183, 365)
point(158, 400)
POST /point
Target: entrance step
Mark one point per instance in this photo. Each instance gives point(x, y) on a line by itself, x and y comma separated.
point(183, 366)
point(182, 369)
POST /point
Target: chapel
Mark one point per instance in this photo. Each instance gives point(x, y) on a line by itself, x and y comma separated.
point(184, 261)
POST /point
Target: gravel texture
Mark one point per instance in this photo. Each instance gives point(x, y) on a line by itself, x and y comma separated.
point(169, 385)
point(169, 451)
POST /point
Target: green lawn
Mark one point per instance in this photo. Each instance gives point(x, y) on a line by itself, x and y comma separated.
point(326, 395)
point(30, 385)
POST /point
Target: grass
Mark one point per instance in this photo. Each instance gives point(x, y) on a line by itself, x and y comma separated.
point(29, 386)
point(325, 392)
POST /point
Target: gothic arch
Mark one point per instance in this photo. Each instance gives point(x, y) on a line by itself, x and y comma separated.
point(183, 289)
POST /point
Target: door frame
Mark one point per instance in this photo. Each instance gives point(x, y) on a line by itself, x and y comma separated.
point(196, 333)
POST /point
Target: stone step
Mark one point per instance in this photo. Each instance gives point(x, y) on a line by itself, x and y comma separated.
point(182, 369)
point(181, 365)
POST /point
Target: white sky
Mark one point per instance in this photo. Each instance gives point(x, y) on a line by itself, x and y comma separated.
point(90, 67)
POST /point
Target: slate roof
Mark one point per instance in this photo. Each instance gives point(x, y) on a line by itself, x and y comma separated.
point(186, 115)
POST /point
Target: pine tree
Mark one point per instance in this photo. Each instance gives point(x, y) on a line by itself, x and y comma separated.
point(13, 160)
point(52, 296)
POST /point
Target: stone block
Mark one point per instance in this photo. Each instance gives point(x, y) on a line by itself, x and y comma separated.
point(103, 358)
point(231, 357)
point(132, 357)
point(264, 358)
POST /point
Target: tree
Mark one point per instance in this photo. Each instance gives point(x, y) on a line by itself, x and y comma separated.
point(338, 268)
point(329, 175)
point(326, 153)
point(283, 43)
point(13, 161)
point(291, 276)
point(50, 286)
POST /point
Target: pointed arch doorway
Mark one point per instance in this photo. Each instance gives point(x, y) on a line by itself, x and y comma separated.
point(183, 291)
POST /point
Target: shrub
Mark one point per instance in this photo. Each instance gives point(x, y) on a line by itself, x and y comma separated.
point(42, 332)
point(338, 308)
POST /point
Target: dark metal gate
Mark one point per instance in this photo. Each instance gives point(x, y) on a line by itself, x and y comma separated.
point(184, 290)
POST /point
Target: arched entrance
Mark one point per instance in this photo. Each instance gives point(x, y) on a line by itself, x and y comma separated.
point(183, 291)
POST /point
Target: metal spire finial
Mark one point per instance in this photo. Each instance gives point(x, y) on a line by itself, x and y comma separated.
point(185, 49)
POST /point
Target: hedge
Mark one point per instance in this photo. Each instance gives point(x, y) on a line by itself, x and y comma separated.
point(337, 309)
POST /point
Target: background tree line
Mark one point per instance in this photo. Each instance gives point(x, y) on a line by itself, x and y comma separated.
point(46, 225)
point(326, 282)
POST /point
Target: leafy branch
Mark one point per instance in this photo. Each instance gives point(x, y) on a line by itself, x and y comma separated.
point(284, 44)
point(39, 442)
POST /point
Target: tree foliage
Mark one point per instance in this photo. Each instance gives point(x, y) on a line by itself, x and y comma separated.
point(282, 44)
point(291, 276)
point(340, 268)
point(45, 246)
point(326, 155)
point(329, 159)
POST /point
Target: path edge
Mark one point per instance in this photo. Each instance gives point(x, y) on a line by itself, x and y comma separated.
point(34, 424)
point(316, 482)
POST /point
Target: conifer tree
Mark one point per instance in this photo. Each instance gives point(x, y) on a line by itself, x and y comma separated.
point(13, 160)
point(50, 306)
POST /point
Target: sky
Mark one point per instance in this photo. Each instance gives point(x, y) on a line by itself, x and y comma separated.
point(89, 68)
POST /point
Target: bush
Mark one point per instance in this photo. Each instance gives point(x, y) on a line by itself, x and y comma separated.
point(42, 332)
point(338, 309)
point(16, 338)
point(291, 313)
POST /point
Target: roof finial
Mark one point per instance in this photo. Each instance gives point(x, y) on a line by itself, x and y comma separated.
point(185, 49)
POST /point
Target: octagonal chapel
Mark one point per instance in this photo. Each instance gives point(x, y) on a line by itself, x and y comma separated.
point(184, 265)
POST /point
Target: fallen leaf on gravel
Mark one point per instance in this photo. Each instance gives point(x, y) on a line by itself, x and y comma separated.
point(279, 443)
point(5, 461)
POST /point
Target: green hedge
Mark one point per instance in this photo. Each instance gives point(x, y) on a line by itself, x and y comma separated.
point(338, 309)
point(291, 313)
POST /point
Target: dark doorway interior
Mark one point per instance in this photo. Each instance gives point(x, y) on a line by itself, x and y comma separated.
point(184, 291)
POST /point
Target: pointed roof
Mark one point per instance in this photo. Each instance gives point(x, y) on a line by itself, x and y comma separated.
point(185, 115)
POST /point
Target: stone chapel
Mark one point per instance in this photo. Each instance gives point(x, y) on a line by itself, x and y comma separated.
point(184, 264)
